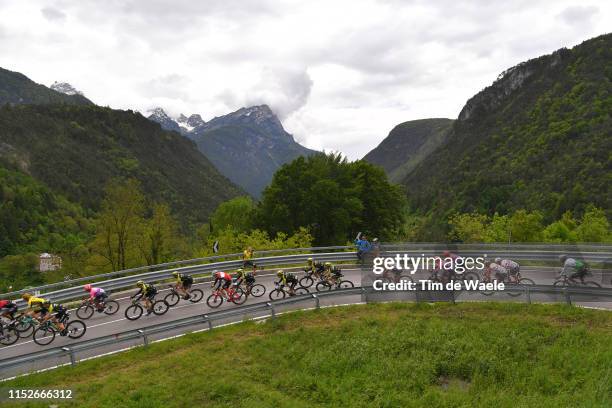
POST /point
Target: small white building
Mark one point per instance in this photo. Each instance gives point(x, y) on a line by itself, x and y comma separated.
point(49, 262)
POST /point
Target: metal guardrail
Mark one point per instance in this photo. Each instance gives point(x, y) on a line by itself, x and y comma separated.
point(589, 252)
point(271, 307)
point(519, 252)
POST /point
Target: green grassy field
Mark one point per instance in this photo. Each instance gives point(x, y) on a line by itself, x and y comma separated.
point(384, 355)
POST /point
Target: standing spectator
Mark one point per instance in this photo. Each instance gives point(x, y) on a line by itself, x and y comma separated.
point(375, 248)
point(363, 246)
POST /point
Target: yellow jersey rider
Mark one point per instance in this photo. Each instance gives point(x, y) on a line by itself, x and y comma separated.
point(286, 279)
point(147, 291)
point(183, 284)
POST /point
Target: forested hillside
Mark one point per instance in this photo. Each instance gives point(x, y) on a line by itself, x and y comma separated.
point(407, 145)
point(539, 138)
point(77, 150)
point(16, 88)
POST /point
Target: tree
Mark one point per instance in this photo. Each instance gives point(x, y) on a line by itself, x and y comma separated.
point(237, 213)
point(594, 226)
point(333, 198)
point(526, 226)
point(468, 227)
point(160, 240)
point(120, 224)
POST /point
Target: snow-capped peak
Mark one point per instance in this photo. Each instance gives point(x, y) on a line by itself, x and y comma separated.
point(191, 122)
point(65, 88)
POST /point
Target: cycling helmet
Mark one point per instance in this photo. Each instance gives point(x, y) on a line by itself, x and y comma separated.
point(327, 263)
point(280, 273)
point(446, 254)
point(498, 260)
point(140, 283)
point(175, 273)
point(26, 296)
point(309, 260)
point(87, 287)
point(563, 258)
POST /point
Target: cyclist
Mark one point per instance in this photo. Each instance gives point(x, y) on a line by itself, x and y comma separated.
point(96, 295)
point(316, 268)
point(241, 275)
point(500, 272)
point(447, 272)
point(512, 267)
point(8, 309)
point(37, 307)
point(222, 282)
point(247, 259)
point(147, 291)
point(286, 279)
point(59, 312)
point(183, 284)
point(573, 268)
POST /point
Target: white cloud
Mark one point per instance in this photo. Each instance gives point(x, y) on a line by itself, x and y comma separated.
point(340, 74)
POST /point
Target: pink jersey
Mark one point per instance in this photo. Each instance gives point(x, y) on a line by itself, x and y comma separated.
point(95, 291)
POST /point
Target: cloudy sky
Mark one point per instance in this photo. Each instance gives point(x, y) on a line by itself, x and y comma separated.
point(340, 74)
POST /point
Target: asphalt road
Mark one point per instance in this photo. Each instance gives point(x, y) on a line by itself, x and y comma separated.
point(102, 325)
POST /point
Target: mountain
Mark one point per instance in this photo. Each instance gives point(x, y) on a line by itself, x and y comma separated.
point(75, 150)
point(538, 138)
point(407, 145)
point(16, 88)
point(65, 88)
point(247, 146)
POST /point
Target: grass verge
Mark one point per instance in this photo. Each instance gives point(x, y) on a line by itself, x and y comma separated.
point(379, 355)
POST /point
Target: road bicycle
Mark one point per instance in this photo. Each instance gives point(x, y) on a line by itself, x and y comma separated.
point(564, 281)
point(253, 289)
point(89, 307)
point(195, 295)
point(25, 325)
point(45, 333)
point(335, 282)
point(445, 276)
point(8, 332)
point(136, 309)
point(396, 276)
point(234, 295)
point(520, 282)
point(309, 279)
point(282, 291)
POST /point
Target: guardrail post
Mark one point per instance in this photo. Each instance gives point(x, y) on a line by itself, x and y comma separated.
point(209, 322)
point(271, 306)
point(568, 298)
point(317, 302)
point(145, 338)
point(72, 358)
point(527, 294)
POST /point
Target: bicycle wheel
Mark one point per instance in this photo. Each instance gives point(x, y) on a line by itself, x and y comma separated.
point(133, 312)
point(25, 328)
point(560, 283)
point(345, 284)
point(196, 295)
point(277, 294)
point(76, 329)
point(43, 335)
point(214, 301)
point(111, 307)
point(301, 291)
point(592, 284)
point(522, 283)
point(160, 307)
point(239, 297)
point(405, 279)
point(323, 286)
point(85, 311)
point(9, 336)
point(306, 281)
point(258, 290)
point(172, 299)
